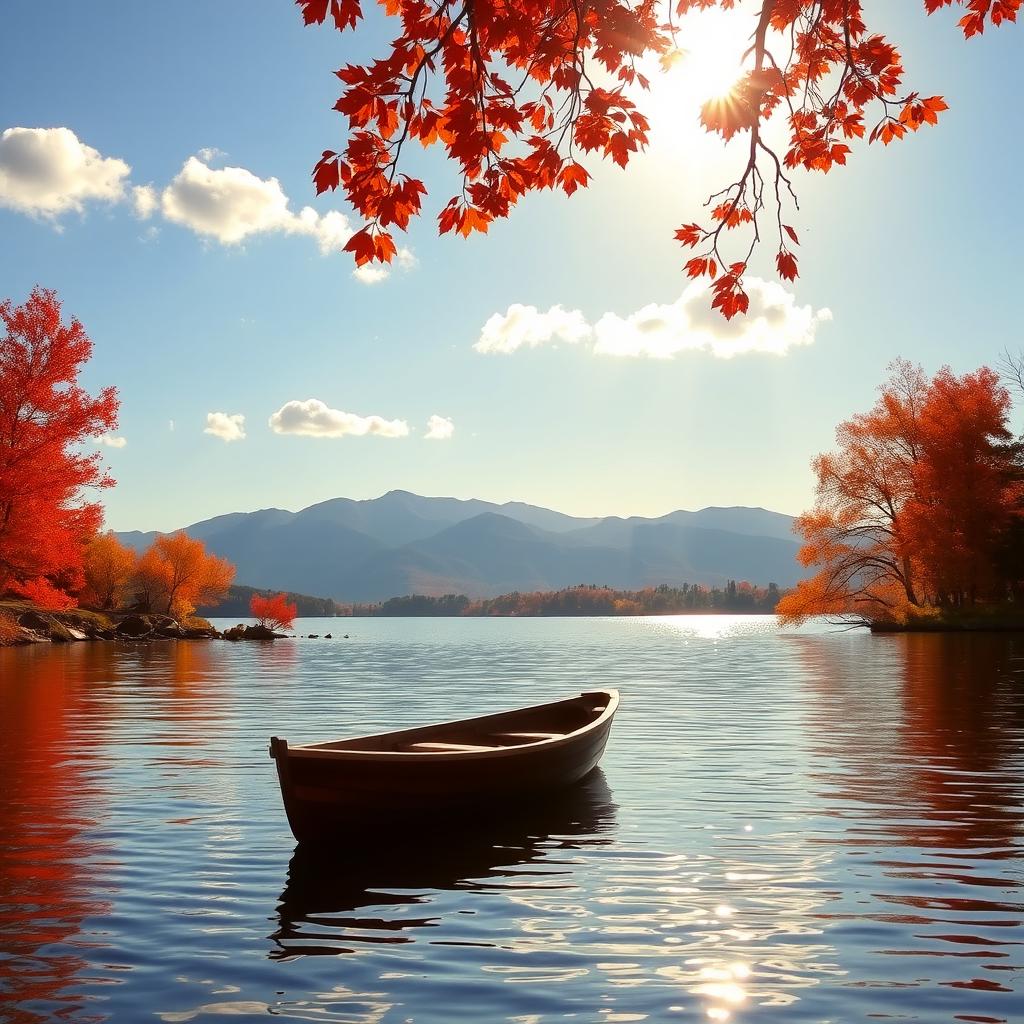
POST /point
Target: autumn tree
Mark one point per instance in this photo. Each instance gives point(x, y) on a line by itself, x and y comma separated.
point(914, 504)
point(273, 612)
point(967, 489)
point(518, 92)
point(109, 571)
point(175, 574)
point(45, 417)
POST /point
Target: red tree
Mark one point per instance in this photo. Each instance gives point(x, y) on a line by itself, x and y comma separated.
point(966, 491)
point(517, 90)
point(44, 418)
point(915, 507)
point(273, 612)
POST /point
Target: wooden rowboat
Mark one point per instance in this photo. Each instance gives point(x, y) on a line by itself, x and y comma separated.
point(393, 779)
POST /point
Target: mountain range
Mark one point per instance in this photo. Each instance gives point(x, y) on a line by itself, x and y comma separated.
point(403, 543)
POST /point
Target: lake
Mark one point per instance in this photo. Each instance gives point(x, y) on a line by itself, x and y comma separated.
point(812, 826)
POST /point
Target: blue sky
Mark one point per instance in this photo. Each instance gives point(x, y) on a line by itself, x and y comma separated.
point(913, 250)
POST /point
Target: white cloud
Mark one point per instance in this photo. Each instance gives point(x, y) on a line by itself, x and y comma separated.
point(312, 418)
point(439, 428)
point(371, 273)
point(145, 201)
point(228, 427)
point(170, 426)
point(48, 171)
point(110, 441)
point(525, 326)
point(374, 273)
point(773, 324)
point(231, 204)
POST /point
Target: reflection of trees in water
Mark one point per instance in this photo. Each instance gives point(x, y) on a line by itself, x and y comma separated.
point(327, 888)
point(926, 732)
point(50, 790)
point(927, 729)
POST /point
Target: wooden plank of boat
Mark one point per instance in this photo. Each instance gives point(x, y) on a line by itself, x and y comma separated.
point(393, 779)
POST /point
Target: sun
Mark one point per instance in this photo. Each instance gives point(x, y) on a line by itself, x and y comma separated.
point(706, 64)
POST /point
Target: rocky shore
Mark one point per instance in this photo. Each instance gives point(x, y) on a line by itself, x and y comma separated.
point(28, 625)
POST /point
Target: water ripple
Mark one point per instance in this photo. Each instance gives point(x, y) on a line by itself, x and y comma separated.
point(788, 827)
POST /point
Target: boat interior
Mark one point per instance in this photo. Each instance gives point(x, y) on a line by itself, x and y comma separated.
point(491, 732)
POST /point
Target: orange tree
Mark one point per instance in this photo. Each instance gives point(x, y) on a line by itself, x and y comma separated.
point(916, 504)
point(109, 571)
point(176, 573)
point(45, 416)
point(518, 92)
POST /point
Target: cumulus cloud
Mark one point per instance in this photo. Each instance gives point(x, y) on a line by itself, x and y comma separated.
point(313, 418)
point(774, 324)
point(231, 204)
point(144, 200)
point(49, 171)
point(439, 428)
point(226, 426)
point(524, 326)
point(110, 441)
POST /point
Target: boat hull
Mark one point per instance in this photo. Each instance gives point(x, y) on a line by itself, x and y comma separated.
point(330, 797)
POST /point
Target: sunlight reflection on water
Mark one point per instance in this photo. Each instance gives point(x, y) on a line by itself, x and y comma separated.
point(803, 827)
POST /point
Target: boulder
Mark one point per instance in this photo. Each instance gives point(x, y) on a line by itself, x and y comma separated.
point(241, 632)
point(35, 621)
point(61, 634)
point(200, 633)
point(134, 625)
point(169, 630)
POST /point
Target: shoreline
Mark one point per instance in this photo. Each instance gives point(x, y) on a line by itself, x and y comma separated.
point(30, 624)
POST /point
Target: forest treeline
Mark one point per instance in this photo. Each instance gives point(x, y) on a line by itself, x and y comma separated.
point(238, 602)
point(586, 600)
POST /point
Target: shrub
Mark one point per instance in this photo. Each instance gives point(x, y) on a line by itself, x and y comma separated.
point(273, 612)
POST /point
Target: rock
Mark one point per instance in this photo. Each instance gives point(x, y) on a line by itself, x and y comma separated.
point(328, 636)
point(170, 630)
point(35, 621)
point(200, 633)
point(134, 625)
point(61, 634)
point(242, 632)
point(314, 636)
point(259, 633)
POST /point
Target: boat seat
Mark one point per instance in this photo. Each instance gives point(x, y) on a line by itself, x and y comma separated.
point(439, 747)
point(530, 735)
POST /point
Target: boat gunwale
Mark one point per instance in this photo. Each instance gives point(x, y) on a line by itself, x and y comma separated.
point(317, 752)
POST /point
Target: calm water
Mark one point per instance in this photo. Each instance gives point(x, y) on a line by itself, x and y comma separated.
point(819, 827)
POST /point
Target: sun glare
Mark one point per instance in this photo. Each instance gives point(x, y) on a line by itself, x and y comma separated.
point(705, 65)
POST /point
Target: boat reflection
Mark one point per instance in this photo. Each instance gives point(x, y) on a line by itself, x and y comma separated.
point(394, 872)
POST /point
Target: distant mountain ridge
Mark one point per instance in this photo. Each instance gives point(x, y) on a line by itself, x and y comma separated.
point(403, 543)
